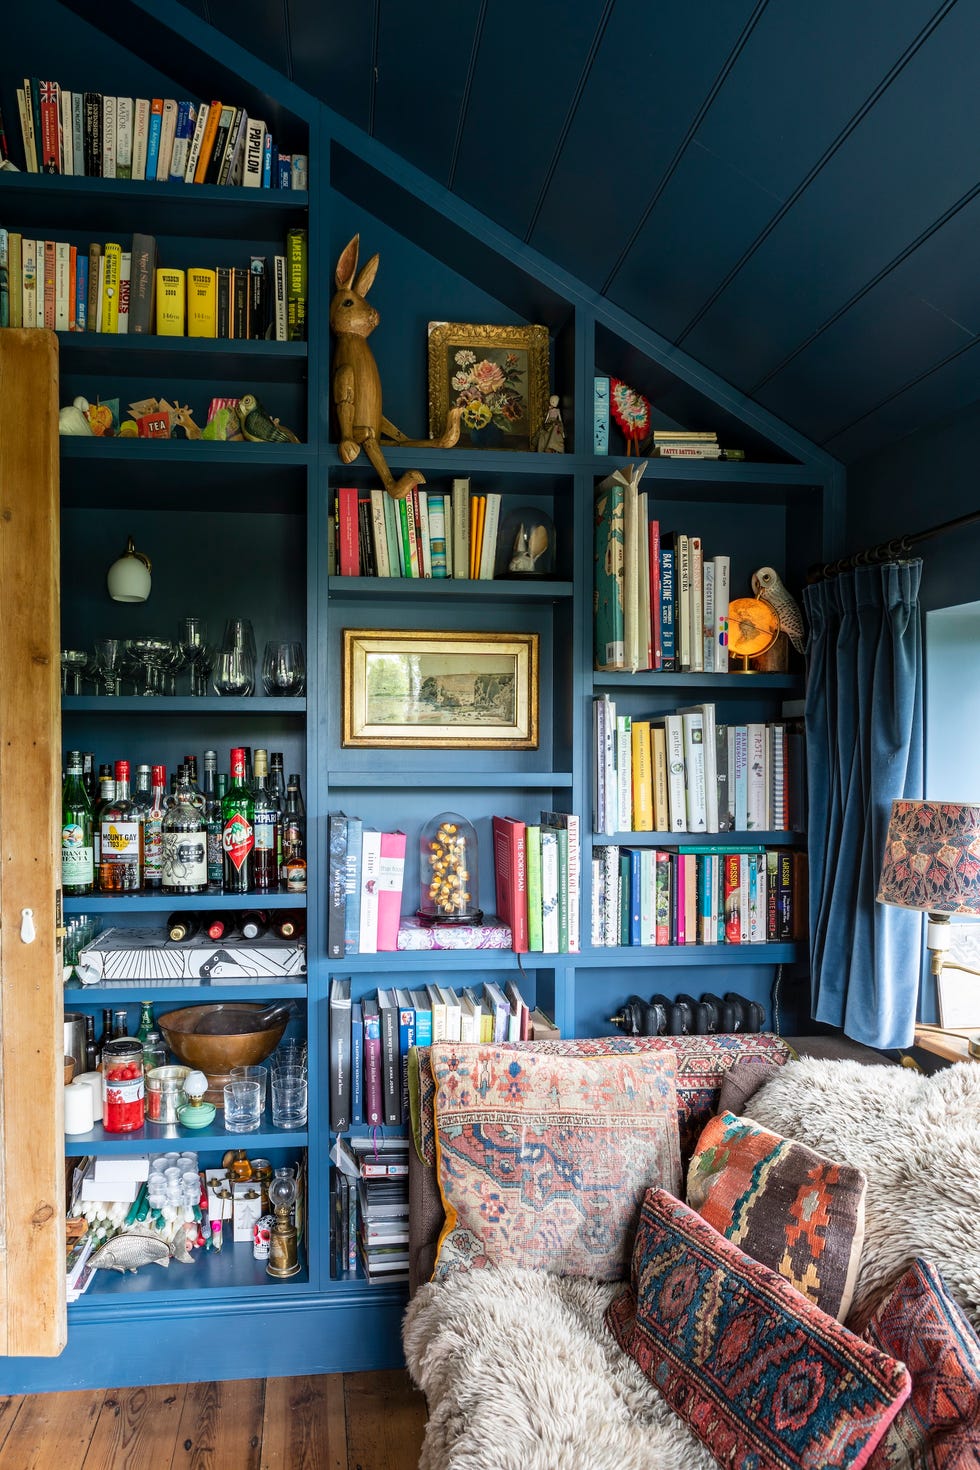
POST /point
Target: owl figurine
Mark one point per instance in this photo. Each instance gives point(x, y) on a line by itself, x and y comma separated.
point(767, 585)
point(258, 426)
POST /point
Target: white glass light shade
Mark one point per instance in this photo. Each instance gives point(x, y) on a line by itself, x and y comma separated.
point(128, 579)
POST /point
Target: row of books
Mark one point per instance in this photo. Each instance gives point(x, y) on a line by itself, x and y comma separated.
point(370, 1220)
point(370, 1040)
point(427, 534)
point(365, 876)
point(106, 288)
point(660, 601)
point(162, 139)
point(689, 772)
point(537, 874)
point(662, 896)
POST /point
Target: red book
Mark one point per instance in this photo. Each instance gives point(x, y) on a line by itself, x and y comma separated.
point(658, 652)
point(50, 94)
point(348, 558)
point(731, 891)
point(391, 877)
point(373, 1096)
point(510, 877)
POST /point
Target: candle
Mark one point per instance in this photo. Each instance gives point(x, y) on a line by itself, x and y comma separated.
point(78, 1108)
point(93, 1081)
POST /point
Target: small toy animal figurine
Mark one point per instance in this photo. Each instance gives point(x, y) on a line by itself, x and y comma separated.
point(184, 415)
point(259, 426)
point(357, 383)
point(767, 585)
point(529, 547)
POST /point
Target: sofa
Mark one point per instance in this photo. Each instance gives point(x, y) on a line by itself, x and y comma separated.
point(531, 1368)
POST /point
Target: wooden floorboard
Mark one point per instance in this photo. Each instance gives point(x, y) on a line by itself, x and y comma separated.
point(336, 1421)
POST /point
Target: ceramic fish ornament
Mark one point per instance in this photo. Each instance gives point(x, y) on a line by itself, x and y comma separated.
point(131, 1249)
point(259, 426)
point(768, 587)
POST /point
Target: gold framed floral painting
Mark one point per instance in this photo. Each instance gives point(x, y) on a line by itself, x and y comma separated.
point(497, 376)
point(440, 689)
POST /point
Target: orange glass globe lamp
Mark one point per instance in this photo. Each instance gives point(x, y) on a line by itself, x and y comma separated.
point(753, 628)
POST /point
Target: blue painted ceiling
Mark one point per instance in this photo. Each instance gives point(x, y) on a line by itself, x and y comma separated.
point(788, 191)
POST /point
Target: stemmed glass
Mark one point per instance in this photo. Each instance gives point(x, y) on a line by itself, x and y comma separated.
point(192, 635)
point(154, 655)
point(283, 668)
point(110, 655)
point(75, 665)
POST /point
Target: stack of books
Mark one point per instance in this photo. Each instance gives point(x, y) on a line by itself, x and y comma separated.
point(163, 139)
point(536, 869)
point(687, 771)
point(371, 1207)
point(426, 534)
point(683, 444)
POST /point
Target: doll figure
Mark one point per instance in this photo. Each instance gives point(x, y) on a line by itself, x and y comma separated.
point(550, 438)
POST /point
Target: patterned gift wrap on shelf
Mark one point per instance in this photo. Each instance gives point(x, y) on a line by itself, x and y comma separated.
point(119, 955)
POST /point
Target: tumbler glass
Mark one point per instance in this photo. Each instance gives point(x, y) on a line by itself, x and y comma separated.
point(243, 1113)
point(289, 1107)
point(283, 668)
point(252, 1074)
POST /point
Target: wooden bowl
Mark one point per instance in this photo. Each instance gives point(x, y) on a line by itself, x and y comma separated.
point(215, 1053)
point(69, 1069)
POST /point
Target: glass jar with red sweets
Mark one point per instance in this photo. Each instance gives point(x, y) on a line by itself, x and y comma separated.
point(122, 1085)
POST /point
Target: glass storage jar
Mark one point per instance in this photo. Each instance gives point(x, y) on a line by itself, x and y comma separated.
point(122, 1085)
point(449, 871)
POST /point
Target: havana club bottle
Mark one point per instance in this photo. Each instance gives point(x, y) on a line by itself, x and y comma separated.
point(77, 851)
point(238, 829)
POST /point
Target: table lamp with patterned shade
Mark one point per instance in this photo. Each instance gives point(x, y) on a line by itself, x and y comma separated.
point(932, 863)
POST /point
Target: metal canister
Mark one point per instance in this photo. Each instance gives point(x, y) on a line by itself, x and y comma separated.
point(261, 1236)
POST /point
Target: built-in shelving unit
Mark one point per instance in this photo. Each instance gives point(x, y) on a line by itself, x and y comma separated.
point(242, 529)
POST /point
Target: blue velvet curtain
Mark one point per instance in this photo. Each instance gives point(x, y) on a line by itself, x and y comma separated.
point(864, 749)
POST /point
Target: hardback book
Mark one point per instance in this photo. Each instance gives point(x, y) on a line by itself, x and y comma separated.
point(66, 135)
point(532, 840)
point(373, 1089)
point(141, 131)
point(648, 916)
point(658, 763)
point(124, 137)
point(142, 284)
point(726, 813)
point(673, 727)
point(510, 877)
point(153, 137)
point(239, 302)
point(225, 117)
point(202, 302)
point(645, 628)
point(296, 269)
point(170, 301)
point(568, 828)
point(437, 1008)
point(15, 266)
point(207, 142)
point(420, 499)
point(668, 642)
point(258, 297)
point(738, 774)
point(423, 1017)
point(62, 285)
point(722, 565)
point(49, 283)
point(731, 895)
point(710, 763)
point(391, 877)
point(347, 540)
point(370, 866)
point(437, 533)
point(470, 1016)
point(197, 138)
point(390, 1058)
point(549, 891)
point(663, 876)
point(223, 293)
point(27, 129)
point(406, 1040)
point(694, 778)
point(757, 777)
point(519, 1027)
point(125, 283)
point(609, 575)
point(600, 415)
point(281, 328)
point(183, 133)
point(696, 612)
point(356, 1064)
point(112, 256)
point(708, 615)
point(255, 131)
point(501, 1010)
point(454, 1012)
point(352, 885)
point(653, 557)
point(50, 113)
point(168, 132)
point(379, 535)
point(461, 526)
point(679, 543)
point(340, 1054)
point(336, 883)
point(488, 549)
point(78, 133)
point(642, 777)
point(624, 772)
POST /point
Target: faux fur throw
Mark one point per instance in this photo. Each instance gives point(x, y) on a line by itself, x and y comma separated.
point(519, 1370)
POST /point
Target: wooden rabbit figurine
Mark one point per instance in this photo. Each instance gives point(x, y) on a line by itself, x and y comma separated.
point(356, 381)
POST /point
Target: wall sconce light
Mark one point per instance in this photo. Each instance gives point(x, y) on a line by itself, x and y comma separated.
point(932, 863)
point(128, 579)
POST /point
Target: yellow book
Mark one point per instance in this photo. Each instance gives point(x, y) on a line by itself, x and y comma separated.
point(658, 761)
point(642, 777)
point(202, 302)
point(170, 302)
point(112, 255)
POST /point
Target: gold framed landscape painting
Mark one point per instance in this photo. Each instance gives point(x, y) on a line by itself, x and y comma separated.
point(419, 690)
point(497, 376)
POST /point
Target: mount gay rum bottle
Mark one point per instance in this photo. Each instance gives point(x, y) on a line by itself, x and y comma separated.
point(121, 840)
point(238, 828)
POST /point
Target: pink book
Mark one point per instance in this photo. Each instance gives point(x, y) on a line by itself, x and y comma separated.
point(391, 874)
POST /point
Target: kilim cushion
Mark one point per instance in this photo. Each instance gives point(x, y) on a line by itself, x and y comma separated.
point(784, 1204)
point(939, 1427)
point(543, 1160)
point(766, 1380)
point(702, 1064)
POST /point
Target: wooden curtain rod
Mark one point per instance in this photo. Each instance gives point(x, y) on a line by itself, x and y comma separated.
point(885, 551)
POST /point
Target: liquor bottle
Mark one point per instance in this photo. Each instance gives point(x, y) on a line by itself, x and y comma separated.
point(143, 789)
point(293, 824)
point(216, 926)
point(153, 830)
point(277, 786)
point(183, 925)
point(190, 763)
point(185, 843)
point(121, 840)
point(106, 1033)
point(77, 850)
point(147, 1023)
point(253, 923)
point(238, 836)
point(107, 792)
point(267, 819)
point(213, 822)
point(91, 1050)
point(89, 780)
point(290, 924)
point(120, 1024)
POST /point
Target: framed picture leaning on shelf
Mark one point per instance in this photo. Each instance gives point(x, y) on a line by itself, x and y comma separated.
point(498, 376)
point(445, 689)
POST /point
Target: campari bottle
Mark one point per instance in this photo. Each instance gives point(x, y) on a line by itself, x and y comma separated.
point(77, 851)
point(238, 829)
point(267, 819)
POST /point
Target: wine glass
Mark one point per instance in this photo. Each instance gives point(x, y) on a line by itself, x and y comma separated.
point(75, 664)
point(283, 668)
point(110, 655)
point(153, 655)
point(234, 666)
point(192, 635)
